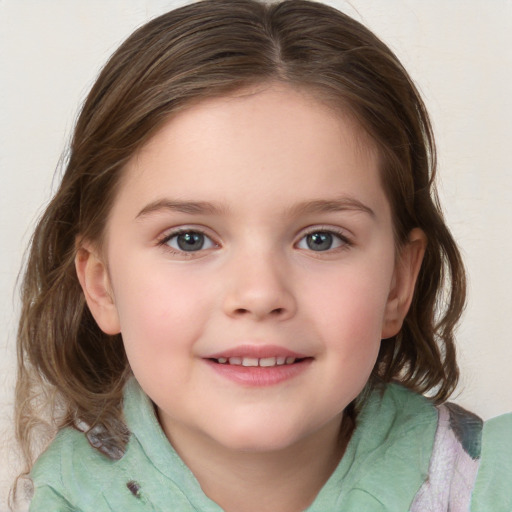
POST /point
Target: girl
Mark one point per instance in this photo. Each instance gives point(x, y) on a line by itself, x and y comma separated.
point(235, 299)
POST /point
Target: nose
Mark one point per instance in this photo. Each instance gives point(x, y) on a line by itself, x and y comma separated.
point(259, 287)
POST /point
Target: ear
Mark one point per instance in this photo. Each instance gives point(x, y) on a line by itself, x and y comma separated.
point(404, 280)
point(93, 276)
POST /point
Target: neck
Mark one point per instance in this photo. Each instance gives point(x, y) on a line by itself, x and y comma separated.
point(287, 480)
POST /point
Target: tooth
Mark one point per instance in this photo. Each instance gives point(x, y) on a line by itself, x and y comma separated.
point(249, 361)
point(235, 360)
point(222, 360)
point(268, 361)
point(290, 360)
point(280, 360)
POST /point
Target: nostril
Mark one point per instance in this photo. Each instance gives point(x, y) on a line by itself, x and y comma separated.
point(244, 311)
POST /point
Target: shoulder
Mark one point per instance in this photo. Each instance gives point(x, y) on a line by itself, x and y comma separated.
point(75, 461)
point(493, 488)
point(67, 468)
point(471, 464)
point(398, 422)
point(399, 411)
point(72, 475)
point(396, 426)
point(55, 462)
point(453, 463)
point(387, 458)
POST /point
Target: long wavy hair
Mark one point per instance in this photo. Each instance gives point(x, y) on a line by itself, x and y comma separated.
point(69, 371)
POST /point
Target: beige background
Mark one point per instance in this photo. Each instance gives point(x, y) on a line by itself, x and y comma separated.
point(458, 51)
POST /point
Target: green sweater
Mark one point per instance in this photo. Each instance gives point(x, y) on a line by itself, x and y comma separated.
point(384, 466)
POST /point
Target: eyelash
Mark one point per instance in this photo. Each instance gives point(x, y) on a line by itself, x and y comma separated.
point(164, 241)
point(345, 242)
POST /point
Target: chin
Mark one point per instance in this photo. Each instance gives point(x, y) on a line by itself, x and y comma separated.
point(260, 439)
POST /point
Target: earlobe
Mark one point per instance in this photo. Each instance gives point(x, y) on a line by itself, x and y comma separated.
point(94, 280)
point(404, 282)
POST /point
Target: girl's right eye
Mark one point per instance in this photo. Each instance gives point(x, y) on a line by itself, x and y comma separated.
point(188, 241)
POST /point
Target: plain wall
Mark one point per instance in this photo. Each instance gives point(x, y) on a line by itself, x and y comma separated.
point(459, 52)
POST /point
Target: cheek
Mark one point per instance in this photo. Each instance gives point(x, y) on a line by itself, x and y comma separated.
point(350, 303)
point(347, 311)
point(159, 312)
point(350, 322)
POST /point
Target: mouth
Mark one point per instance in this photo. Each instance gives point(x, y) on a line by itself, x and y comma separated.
point(259, 366)
point(263, 362)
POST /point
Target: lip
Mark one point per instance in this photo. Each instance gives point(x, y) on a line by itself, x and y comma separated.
point(257, 351)
point(257, 376)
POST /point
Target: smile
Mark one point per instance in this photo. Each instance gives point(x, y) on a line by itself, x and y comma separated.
point(265, 362)
point(258, 366)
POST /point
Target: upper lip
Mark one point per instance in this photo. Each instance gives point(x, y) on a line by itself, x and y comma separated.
point(257, 352)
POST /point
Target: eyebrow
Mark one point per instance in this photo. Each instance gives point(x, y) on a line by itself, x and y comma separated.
point(191, 207)
point(207, 208)
point(340, 204)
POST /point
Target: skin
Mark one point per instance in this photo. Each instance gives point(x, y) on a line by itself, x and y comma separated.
point(258, 156)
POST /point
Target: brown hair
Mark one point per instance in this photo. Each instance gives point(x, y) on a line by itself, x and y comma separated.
point(202, 50)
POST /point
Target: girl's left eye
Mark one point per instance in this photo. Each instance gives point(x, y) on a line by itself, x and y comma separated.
point(320, 241)
point(188, 241)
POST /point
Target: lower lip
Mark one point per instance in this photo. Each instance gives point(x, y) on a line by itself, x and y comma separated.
point(257, 376)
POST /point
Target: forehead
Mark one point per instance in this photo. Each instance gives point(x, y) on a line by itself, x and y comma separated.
point(272, 139)
point(310, 106)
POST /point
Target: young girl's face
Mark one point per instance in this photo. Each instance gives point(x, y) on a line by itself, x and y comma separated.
point(251, 230)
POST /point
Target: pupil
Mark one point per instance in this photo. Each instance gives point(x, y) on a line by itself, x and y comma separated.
point(190, 241)
point(319, 241)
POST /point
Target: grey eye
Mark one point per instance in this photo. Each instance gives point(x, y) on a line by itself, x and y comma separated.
point(190, 241)
point(321, 241)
